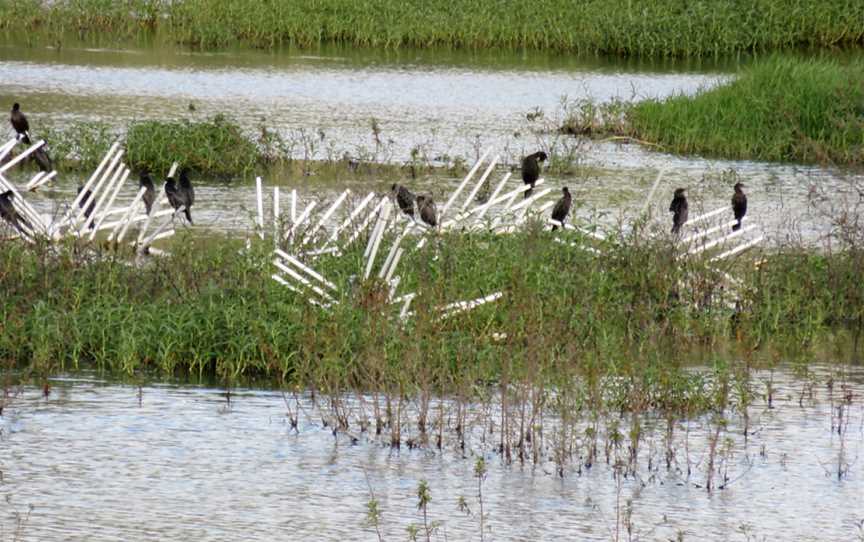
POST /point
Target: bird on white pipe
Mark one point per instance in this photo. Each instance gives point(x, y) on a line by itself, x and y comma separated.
point(145, 181)
point(680, 210)
point(428, 212)
point(9, 214)
point(19, 121)
point(531, 170)
point(562, 208)
point(739, 205)
point(182, 195)
point(404, 198)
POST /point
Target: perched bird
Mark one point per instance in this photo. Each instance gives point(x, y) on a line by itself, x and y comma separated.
point(146, 182)
point(9, 214)
point(41, 157)
point(88, 195)
point(19, 121)
point(428, 213)
point(531, 169)
point(680, 209)
point(404, 198)
point(180, 196)
point(562, 208)
point(739, 205)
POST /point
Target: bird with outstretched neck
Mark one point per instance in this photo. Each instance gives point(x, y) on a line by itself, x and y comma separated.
point(404, 198)
point(739, 205)
point(88, 195)
point(19, 121)
point(428, 212)
point(145, 182)
point(9, 214)
point(531, 170)
point(562, 208)
point(680, 210)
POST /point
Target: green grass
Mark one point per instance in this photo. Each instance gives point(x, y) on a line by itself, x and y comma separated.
point(778, 109)
point(211, 310)
point(782, 109)
point(621, 27)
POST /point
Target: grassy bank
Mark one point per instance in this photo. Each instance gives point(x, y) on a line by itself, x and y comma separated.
point(622, 27)
point(780, 109)
point(211, 310)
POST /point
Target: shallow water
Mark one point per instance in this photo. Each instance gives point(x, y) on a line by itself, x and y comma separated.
point(444, 103)
point(95, 464)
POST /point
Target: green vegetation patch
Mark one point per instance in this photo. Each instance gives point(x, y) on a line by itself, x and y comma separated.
point(625, 27)
point(784, 109)
point(216, 146)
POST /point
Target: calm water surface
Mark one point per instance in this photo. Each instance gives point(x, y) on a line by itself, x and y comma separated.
point(95, 464)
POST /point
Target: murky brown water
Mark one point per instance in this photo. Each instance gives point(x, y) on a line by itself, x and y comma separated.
point(96, 465)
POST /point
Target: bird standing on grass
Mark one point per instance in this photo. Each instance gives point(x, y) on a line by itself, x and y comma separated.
point(150, 190)
point(19, 121)
point(739, 205)
point(404, 198)
point(428, 212)
point(9, 214)
point(531, 170)
point(680, 210)
point(562, 208)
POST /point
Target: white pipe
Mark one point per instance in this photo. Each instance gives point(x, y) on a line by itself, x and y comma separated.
point(15, 161)
point(393, 265)
point(371, 241)
point(145, 242)
point(354, 214)
point(137, 218)
point(128, 219)
point(308, 270)
point(259, 198)
point(653, 189)
point(709, 231)
point(404, 312)
point(44, 180)
point(716, 242)
point(34, 180)
point(706, 216)
point(320, 251)
point(382, 220)
point(117, 186)
point(739, 248)
point(366, 221)
point(7, 148)
point(82, 200)
point(68, 214)
point(160, 201)
point(495, 193)
point(302, 280)
point(464, 182)
point(394, 284)
point(479, 183)
point(392, 254)
point(462, 306)
point(173, 169)
point(326, 216)
point(301, 220)
point(23, 206)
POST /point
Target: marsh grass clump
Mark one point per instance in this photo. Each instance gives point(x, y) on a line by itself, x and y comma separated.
point(216, 146)
point(783, 109)
point(655, 28)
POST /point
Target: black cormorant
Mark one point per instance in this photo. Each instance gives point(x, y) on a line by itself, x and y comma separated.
point(19, 121)
point(178, 196)
point(150, 193)
point(428, 213)
point(680, 209)
point(531, 169)
point(562, 208)
point(8, 212)
point(404, 198)
point(739, 205)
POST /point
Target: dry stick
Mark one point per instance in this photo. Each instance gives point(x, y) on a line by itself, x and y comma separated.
point(308, 270)
point(464, 182)
point(325, 217)
point(479, 183)
point(259, 198)
point(716, 242)
point(116, 191)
